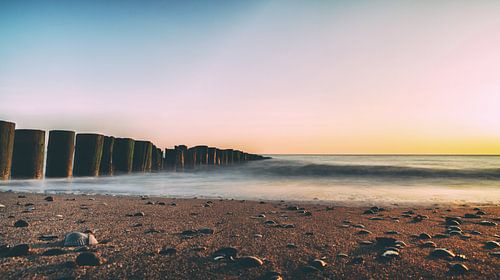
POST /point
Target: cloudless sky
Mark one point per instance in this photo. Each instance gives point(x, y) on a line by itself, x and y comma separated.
point(264, 76)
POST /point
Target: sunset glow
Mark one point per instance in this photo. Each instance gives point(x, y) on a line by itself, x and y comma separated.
point(365, 77)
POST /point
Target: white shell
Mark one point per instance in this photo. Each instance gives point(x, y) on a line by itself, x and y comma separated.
point(74, 239)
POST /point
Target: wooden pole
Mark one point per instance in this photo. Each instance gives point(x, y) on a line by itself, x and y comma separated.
point(60, 152)
point(142, 156)
point(6, 148)
point(190, 157)
point(229, 156)
point(123, 155)
point(181, 154)
point(211, 160)
point(171, 158)
point(28, 154)
point(107, 156)
point(88, 154)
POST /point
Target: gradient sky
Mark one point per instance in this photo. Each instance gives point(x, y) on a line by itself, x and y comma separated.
point(265, 76)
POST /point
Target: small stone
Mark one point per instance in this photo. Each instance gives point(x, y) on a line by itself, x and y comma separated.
point(21, 223)
point(441, 235)
point(390, 254)
point(2, 206)
point(488, 223)
point(257, 235)
point(225, 252)
point(429, 244)
point(453, 221)
point(319, 264)
point(456, 228)
point(292, 208)
point(471, 216)
point(495, 254)
point(206, 231)
point(480, 212)
point(261, 216)
point(150, 203)
point(88, 259)
point(366, 242)
point(458, 268)
point(491, 245)
point(424, 236)
point(364, 232)
point(475, 232)
point(47, 237)
point(460, 258)
point(54, 252)
point(358, 226)
point(376, 219)
point(291, 246)
point(49, 198)
point(342, 255)
point(139, 214)
point(270, 222)
point(19, 250)
point(249, 261)
point(442, 253)
point(167, 251)
point(455, 232)
point(369, 212)
point(392, 232)
point(162, 203)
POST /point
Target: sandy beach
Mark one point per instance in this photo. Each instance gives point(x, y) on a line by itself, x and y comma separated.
point(151, 238)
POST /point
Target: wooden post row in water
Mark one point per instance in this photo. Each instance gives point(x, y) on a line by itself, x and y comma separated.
point(7, 131)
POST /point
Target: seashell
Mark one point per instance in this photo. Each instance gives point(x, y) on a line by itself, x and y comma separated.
point(75, 239)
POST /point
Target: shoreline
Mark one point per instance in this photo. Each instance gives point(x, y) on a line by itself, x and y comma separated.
point(131, 246)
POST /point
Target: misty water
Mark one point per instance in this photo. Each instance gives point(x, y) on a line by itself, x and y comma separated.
point(343, 180)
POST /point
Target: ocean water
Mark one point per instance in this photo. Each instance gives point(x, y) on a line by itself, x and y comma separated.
point(338, 179)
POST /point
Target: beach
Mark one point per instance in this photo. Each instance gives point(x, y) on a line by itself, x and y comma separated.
point(158, 237)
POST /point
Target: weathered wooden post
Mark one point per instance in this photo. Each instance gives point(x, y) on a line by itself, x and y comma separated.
point(229, 156)
point(236, 156)
point(218, 156)
point(211, 156)
point(107, 156)
point(60, 152)
point(88, 154)
point(201, 155)
point(149, 157)
point(156, 159)
point(7, 130)
point(190, 158)
point(171, 157)
point(180, 153)
point(123, 155)
point(28, 154)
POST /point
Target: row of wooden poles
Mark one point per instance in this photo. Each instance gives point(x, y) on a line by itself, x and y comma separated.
point(22, 154)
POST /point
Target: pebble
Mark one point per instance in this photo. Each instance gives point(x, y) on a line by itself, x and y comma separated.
point(19, 250)
point(47, 237)
point(319, 264)
point(475, 232)
point(453, 221)
point(358, 226)
point(366, 242)
point(495, 254)
point(442, 253)
point(491, 244)
point(357, 260)
point(2, 206)
point(441, 235)
point(429, 244)
point(390, 254)
point(364, 232)
point(167, 251)
point(257, 235)
point(206, 231)
point(88, 259)
point(342, 255)
point(249, 261)
point(488, 223)
point(309, 269)
point(392, 232)
point(376, 219)
point(291, 246)
point(139, 214)
point(471, 216)
point(49, 198)
point(21, 223)
point(458, 268)
point(54, 252)
point(424, 236)
point(225, 252)
point(270, 222)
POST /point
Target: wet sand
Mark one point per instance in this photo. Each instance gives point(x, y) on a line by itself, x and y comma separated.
point(130, 245)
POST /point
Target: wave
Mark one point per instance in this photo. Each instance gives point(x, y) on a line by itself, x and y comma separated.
point(292, 169)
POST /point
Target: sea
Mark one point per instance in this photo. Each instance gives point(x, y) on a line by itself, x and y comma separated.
point(357, 180)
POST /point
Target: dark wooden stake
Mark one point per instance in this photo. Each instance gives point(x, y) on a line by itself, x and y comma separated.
point(88, 154)
point(28, 155)
point(60, 152)
point(6, 148)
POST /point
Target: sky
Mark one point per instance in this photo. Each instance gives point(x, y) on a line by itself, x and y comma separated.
point(333, 77)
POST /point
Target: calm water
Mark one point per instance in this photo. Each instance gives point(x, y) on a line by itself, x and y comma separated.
point(359, 180)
